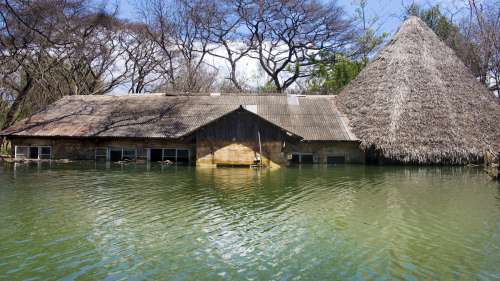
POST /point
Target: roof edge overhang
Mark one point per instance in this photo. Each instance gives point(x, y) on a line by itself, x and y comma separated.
point(323, 141)
point(11, 133)
point(93, 137)
point(183, 136)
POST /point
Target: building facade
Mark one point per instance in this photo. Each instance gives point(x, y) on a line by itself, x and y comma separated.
point(270, 131)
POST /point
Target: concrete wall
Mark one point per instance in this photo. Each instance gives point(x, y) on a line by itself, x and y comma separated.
point(321, 150)
point(203, 152)
point(84, 149)
point(273, 153)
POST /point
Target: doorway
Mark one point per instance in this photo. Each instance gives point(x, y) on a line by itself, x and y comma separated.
point(34, 152)
point(156, 155)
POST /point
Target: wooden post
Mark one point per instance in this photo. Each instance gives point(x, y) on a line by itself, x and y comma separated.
point(260, 149)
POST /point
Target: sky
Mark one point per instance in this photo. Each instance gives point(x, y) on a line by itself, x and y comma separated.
point(388, 12)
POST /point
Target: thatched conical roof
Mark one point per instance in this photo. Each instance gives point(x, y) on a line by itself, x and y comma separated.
point(416, 102)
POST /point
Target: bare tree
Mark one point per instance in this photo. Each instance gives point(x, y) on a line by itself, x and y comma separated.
point(27, 32)
point(52, 48)
point(176, 27)
point(159, 29)
point(94, 61)
point(143, 56)
point(225, 31)
point(368, 41)
point(484, 31)
point(290, 35)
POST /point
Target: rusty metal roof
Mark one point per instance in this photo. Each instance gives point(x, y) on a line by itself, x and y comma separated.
point(314, 118)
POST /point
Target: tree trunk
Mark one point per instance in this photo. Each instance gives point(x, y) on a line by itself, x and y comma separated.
point(277, 84)
point(232, 77)
point(10, 118)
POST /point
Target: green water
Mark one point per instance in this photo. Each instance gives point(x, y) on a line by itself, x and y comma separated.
point(81, 222)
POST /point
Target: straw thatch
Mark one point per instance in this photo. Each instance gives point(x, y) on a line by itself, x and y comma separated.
point(418, 103)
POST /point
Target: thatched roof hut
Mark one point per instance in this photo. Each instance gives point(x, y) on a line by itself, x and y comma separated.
point(416, 102)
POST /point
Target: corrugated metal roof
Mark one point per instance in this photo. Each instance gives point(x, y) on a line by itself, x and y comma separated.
point(156, 116)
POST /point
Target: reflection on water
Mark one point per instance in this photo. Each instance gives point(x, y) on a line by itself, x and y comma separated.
point(182, 223)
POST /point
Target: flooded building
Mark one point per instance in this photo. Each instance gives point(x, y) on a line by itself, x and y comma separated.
point(215, 130)
point(415, 103)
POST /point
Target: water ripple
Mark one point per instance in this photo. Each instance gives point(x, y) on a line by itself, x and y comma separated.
point(342, 223)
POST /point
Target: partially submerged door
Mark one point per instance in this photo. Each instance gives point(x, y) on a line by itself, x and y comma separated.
point(335, 160)
point(182, 156)
point(302, 158)
point(156, 155)
point(34, 152)
point(115, 155)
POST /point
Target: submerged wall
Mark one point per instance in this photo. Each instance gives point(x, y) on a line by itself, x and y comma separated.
point(204, 151)
point(321, 151)
point(84, 149)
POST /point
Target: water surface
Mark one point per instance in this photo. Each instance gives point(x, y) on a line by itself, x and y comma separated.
point(82, 222)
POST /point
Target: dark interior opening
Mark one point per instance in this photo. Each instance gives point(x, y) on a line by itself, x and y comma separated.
point(306, 159)
point(295, 159)
point(169, 155)
point(46, 150)
point(335, 160)
point(34, 152)
point(156, 155)
point(115, 155)
point(183, 156)
point(45, 153)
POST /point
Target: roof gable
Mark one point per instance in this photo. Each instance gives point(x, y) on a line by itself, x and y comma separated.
point(250, 110)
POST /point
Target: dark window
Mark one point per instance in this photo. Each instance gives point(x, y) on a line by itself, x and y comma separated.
point(34, 152)
point(129, 154)
point(156, 155)
point(115, 155)
point(183, 156)
point(335, 160)
point(300, 158)
point(169, 154)
point(45, 152)
point(306, 159)
point(101, 153)
point(22, 152)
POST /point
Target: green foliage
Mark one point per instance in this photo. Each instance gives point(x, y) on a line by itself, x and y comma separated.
point(370, 41)
point(5, 148)
point(332, 77)
point(269, 87)
point(439, 23)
